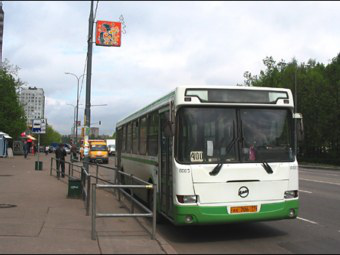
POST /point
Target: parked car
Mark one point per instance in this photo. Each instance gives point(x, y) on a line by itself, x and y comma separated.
point(53, 147)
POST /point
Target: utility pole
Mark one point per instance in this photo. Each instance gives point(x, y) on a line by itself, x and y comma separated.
point(89, 69)
point(87, 121)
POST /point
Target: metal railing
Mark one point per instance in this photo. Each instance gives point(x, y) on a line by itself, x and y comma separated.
point(86, 186)
point(85, 179)
point(71, 169)
point(149, 213)
point(90, 197)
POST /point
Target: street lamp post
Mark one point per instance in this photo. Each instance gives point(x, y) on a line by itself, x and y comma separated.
point(74, 118)
point(76, 122)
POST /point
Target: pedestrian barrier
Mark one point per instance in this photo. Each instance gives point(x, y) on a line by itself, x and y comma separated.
point(149, 213)
point(75, 170)
point(86, 184)
point(90, 197)
point(72, 168)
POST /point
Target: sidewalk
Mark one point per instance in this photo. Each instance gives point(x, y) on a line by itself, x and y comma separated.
point(44, 220)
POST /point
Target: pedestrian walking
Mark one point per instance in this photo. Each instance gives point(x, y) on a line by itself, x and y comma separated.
point(60, 155)
point(26, 149)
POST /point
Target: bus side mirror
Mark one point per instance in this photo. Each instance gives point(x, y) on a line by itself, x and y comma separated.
point(299, 127)
point(168, 129)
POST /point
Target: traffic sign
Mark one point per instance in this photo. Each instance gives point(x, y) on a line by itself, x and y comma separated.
point(39, 126)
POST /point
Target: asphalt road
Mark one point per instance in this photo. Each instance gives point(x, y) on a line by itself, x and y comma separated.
point(315, 231)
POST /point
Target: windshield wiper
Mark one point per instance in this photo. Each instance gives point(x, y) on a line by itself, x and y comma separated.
point(218, 167)
point(267, 167)
point(216, 170)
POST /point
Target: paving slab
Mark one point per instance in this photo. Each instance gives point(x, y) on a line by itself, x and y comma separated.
point(129, 245)
point(44, 221)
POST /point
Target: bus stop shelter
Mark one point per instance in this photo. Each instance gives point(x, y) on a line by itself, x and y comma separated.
point(4, 138)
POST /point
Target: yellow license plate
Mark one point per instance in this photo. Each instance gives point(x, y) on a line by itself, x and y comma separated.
point(243, 209)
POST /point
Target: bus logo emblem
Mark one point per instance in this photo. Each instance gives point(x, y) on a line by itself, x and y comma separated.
point(243, 192)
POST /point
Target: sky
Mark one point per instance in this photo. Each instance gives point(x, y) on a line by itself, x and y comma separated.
point(166, 44)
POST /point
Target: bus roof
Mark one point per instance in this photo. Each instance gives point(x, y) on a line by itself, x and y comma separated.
point(149, 108)
point(179, 94)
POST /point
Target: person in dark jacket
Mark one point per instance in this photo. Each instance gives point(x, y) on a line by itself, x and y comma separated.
point(60, 155)
point(26, 149)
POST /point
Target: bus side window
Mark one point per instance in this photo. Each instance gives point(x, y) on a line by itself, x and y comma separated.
point(124, 138)
point(135, 131)
point(142, 136)
point(129, 138)
point(153, 134)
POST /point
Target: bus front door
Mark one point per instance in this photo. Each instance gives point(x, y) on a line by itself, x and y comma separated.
point(166, 168)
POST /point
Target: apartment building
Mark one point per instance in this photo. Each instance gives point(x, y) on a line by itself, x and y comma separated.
point(33, 101)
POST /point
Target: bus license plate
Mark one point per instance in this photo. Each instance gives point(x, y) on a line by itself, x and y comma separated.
point(243, 209)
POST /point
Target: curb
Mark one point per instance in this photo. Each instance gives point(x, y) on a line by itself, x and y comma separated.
point(165, 246)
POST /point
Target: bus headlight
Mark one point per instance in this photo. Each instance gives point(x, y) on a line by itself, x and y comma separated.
point(187, 199)
point(291, 194)
point(292, 213)
point(188, 219)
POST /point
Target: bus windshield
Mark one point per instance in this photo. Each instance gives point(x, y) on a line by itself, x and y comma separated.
point(227, 135)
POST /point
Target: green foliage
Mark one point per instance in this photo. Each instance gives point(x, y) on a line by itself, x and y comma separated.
point(318, 100)
point(113, 136)
point(51, 136)
point(12, 115)
point(66, 139)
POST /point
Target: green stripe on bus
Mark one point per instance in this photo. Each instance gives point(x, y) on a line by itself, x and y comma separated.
point(219, 214)
point(140, 160)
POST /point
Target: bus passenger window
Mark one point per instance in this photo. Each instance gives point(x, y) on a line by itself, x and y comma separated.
point(124, 139)
point(142, 136)
point(153, 134)
point(135, 137)
point(129, 138)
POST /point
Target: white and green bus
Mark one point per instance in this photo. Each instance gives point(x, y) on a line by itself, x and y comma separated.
point(218, 154)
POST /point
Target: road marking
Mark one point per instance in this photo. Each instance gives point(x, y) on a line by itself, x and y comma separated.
point(332, 183)
point(309, 221)
point(305, 191)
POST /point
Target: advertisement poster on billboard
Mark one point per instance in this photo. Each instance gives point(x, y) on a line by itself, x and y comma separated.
point(108, 33)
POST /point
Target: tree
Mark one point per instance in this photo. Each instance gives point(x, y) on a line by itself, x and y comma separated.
point(12, 115)
point(51, 136)
point(318, 100)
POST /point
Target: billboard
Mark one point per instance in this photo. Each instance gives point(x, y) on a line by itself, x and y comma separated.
point(108, 33)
